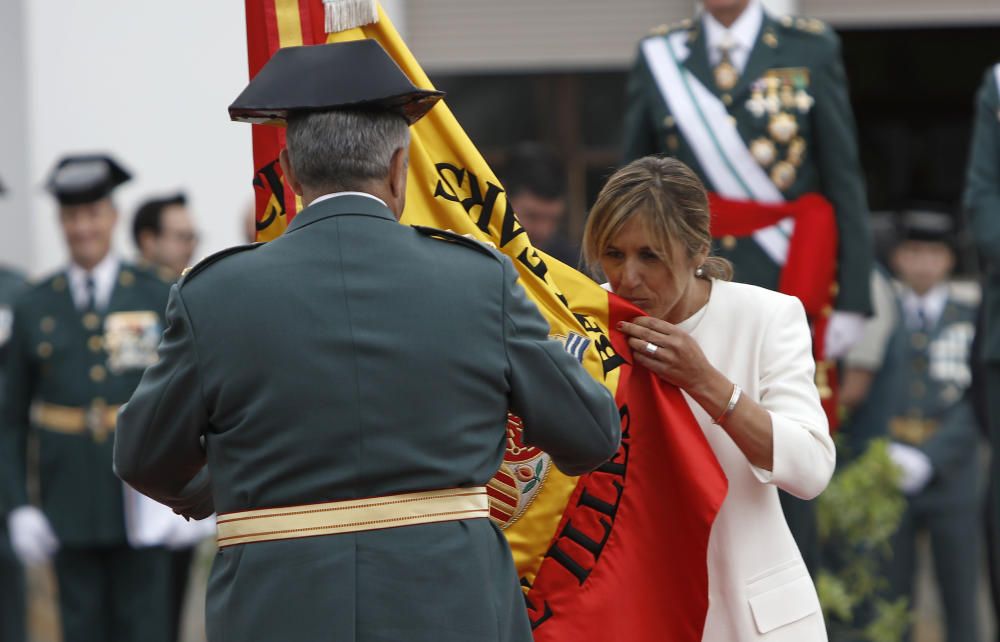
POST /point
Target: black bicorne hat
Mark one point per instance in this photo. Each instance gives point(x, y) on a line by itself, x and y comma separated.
point(85, 178)
point(345, 75)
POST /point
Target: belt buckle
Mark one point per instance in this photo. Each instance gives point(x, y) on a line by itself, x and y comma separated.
point(96, 424)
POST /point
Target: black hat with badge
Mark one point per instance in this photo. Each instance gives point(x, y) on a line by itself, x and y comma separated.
point(85, 178)
point(929, 223)
point(356, 75)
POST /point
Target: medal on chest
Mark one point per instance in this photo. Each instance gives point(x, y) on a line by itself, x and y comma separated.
point(130, 339)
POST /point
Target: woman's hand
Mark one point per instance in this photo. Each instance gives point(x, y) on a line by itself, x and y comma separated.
point(677, 359)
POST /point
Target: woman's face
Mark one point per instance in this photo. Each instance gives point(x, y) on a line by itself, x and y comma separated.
point(638, 274)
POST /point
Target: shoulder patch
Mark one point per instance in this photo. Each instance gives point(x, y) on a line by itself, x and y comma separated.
point(190, 272)
point(452, 237)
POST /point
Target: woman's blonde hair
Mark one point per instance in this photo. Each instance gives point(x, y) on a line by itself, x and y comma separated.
point(672, 202)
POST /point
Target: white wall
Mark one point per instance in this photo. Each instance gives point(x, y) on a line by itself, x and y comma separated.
point(150, 83)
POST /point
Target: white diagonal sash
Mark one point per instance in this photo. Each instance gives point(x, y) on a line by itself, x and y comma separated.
point(704, 121)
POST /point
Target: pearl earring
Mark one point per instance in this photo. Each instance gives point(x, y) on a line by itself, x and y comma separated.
point(699, 271)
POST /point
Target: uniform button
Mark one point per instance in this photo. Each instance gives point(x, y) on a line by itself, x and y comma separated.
point(98, 374)
point(91, 321)
point(727, 100)
point(44, 349)
point(728, 242)
point(919, 340)
point(827, 311)
point(48, 324)
point(669, 122)
point(835, 289)
point(126, 278)
point(673, 143)
point(918, 390)
point(95, 343)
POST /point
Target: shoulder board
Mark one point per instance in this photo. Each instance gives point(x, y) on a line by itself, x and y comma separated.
point(807, 25)
point(452, 237)
point(151, 272)
point(190, 272)
point(664, 29)
point(965, 292)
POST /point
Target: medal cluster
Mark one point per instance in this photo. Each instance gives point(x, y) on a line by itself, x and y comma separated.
point(779, 95)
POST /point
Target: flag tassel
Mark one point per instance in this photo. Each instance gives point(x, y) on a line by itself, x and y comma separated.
point(342, 15)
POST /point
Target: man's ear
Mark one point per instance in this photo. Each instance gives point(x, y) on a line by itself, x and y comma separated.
point(286, 169)
point(398, 167)
point(146, 242)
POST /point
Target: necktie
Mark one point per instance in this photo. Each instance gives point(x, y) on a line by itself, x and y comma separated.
point(91, 294)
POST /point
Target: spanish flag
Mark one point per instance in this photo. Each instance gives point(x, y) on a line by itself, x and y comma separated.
point(620, 553)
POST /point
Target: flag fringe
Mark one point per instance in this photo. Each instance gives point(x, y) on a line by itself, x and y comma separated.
point(342, 15)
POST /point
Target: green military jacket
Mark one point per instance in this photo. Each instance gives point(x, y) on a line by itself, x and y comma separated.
point(355, 357)
point(66, 374)
point(12, 284)
point(812, 147)
point(982, 201)
point(933, 411)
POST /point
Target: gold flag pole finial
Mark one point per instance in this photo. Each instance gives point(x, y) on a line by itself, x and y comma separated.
point(342, 15)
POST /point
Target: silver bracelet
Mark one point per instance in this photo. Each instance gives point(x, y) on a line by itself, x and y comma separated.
point(730, 407)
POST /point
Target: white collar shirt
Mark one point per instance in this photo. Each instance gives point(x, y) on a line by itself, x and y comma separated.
point(104, 274)
point(740, 37)
point(923, 312)
point(327, 197)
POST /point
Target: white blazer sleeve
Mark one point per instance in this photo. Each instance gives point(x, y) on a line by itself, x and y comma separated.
point(804, 454)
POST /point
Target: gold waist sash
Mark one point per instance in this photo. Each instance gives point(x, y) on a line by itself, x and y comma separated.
point(98, 419)
point(352, 516)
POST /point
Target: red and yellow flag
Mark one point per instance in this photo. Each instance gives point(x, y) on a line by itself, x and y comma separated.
point(619, 553)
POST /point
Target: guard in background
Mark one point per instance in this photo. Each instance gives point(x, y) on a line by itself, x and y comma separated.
point(934, 431)
point(12, 602)
point(982, 204)
point(758, 107)
point(80, 342)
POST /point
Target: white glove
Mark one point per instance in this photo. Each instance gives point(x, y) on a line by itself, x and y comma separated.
point(185, 534)
point(915, 465)
point(31, 535)
point(842, 332)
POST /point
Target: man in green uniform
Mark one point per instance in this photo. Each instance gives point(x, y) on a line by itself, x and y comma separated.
point(934, 431)
point(347, 386)
point(79, 344)
point(12, 605)
point(982, 203)
point(758, 107)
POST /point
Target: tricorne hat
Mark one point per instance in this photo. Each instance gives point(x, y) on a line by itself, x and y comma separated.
point(354, 75)
point(85, 178)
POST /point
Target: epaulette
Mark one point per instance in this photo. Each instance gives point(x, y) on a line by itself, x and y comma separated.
point(153, 272)
point(452, 237)
point(189, 273)
point(664, 29)
point(808, 25)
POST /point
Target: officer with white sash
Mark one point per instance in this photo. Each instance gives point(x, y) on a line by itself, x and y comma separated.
point(758, 107)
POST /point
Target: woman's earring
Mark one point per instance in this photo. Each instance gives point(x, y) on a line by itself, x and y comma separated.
point(700, 271)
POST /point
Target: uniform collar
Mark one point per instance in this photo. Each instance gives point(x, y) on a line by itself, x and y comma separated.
point(742, 34)
point(339, 204)
point(931, 305)
point(104, 274)
point(327, 197)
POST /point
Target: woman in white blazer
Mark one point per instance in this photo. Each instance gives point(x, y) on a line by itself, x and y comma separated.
point(742, 356)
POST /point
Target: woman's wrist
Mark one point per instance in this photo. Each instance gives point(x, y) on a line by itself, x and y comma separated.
point(714, 394)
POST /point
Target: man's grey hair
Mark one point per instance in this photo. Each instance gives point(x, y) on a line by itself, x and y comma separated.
point(341, 151)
